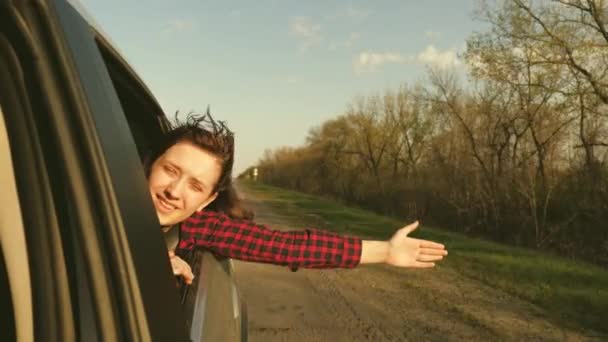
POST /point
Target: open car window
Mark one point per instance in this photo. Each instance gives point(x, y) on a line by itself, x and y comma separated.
point(146, 118)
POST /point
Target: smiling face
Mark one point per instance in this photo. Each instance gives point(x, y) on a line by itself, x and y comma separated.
point(182, 180)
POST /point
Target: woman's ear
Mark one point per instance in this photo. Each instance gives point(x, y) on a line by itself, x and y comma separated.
point(208, 201)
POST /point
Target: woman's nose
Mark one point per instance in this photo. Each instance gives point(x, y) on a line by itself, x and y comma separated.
point(173, 190)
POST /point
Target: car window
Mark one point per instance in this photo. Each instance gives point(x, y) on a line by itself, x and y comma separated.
point(144, 115)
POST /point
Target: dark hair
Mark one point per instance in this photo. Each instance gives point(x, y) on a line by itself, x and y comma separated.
point(214, 137)
point(229, 202)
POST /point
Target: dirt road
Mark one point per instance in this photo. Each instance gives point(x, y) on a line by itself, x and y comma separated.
point(382, 303)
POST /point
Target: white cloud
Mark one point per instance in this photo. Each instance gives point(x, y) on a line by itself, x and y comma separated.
point(307, 32)
point(432, 34)
point(434, 57)
point(368, 61)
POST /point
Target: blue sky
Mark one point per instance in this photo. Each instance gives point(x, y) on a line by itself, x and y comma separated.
point(274, 69)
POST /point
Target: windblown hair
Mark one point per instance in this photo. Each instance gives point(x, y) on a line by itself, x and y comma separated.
point(214, 137)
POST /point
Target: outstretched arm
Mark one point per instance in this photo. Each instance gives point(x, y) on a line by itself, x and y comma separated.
point(308, 248)
point(400, 251)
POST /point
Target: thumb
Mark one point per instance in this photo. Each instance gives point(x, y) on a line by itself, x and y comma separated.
point(410, 227)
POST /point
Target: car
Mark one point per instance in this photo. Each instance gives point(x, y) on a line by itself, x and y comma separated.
point(82, 256)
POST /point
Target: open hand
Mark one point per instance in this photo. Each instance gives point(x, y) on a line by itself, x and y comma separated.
point(404, 251)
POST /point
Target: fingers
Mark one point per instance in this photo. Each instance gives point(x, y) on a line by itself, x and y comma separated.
point(419, 264)
point(181, 268)
point(188, 276)
point(185, 272)
point(424, 257)
point(433, 251)
point(431, 254)
point(431, 244)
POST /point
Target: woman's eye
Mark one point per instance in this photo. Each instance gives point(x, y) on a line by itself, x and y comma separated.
point(196, 188)
point(169, 169)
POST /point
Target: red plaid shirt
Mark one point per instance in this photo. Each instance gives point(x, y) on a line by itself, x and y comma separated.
point(246, 240)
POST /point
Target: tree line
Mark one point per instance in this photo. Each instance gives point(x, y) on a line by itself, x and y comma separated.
point(517, 153)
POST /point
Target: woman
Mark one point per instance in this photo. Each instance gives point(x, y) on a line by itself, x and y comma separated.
point(189, 178)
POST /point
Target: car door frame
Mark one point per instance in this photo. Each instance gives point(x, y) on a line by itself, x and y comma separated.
point(122, 247)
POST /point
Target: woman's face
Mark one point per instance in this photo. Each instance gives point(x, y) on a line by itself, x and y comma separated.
point(182, 181)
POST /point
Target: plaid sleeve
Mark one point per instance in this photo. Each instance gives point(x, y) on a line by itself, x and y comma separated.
point(248, 241)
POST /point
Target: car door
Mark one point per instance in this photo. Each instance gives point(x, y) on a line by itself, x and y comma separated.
point(82, 256)
point(213, 306)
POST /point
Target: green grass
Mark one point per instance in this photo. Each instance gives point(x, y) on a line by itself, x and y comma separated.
point(575, 294)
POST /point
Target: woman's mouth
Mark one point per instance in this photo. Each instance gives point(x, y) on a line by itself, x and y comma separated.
point(163, 205)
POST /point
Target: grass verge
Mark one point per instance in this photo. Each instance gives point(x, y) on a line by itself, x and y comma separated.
point(573, 293)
